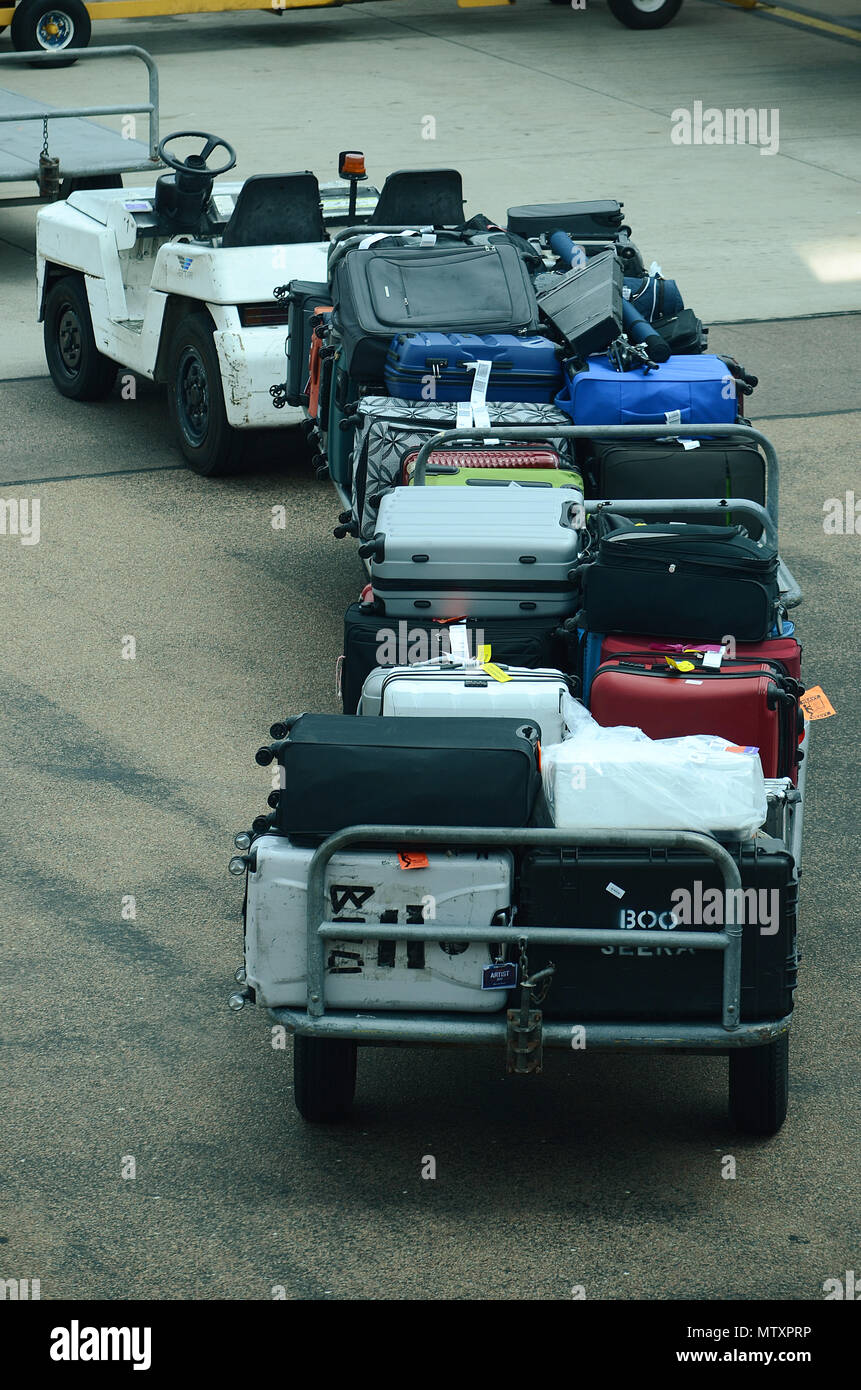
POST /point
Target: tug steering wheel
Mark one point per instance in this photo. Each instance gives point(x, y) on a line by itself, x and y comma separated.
point(196, 163)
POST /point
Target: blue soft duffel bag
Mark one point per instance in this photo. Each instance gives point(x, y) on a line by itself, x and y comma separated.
point(695, 390)
point(653, 296)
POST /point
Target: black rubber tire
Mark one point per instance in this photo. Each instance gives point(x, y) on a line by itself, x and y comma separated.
point(324, 1078)
point(212, 447)
point(759, 1087)
point(26, 19)
point(628, 13)
point(68, 335)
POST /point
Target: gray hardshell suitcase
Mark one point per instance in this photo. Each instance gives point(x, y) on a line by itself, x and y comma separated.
point(390, 428)
point(585, 307)
point(462, 689)
point(492, 552)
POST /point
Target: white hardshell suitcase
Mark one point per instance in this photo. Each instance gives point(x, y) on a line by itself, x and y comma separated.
point(458, 888)
point(488, 552)
point(458, 689)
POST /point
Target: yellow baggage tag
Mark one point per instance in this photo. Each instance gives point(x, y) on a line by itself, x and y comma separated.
point(496, 672)
point(683, 666)
point(482, 654)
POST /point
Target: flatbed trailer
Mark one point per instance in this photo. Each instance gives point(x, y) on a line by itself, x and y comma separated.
point(59, 25)
point(61, 148)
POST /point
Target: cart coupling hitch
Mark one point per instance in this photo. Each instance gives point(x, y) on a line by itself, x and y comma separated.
point(524, 1046)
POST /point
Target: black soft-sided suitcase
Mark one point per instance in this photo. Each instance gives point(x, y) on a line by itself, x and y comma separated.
point(674, 579)
point(451, 288)
point(371, 639)
point(653, 468)
point(585, 307)
point(342, 770)
point(600, 218)
point(634, 889)
point(305, 296)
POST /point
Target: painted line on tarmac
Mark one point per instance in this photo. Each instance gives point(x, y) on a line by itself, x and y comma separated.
point(800, 415)
point(811, 21)
point(109, 473)
point(794, 18)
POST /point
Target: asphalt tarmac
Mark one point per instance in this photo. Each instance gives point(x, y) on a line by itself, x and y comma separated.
point(126, 778)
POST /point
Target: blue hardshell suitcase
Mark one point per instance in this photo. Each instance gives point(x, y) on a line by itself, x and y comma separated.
point(440, 366)
point(684, 389)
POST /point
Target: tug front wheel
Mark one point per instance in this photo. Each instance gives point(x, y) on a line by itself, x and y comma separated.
point(212, 447)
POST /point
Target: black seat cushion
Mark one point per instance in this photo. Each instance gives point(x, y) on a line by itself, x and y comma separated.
point(274, 209)
point(430, 197)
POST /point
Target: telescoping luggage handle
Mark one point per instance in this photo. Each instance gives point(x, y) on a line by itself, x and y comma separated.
point(321, 930)
point(790, 591)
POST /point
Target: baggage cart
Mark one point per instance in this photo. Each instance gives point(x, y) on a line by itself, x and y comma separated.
point(60, 148)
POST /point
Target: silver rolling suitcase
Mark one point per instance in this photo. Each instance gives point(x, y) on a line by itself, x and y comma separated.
point(460, 888)
point(491, 552)
point(464, 689)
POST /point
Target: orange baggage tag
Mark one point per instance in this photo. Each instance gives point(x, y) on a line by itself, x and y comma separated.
point(816, 704)
point(412, 859)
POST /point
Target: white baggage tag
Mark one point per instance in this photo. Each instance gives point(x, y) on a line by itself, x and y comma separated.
point(478, 394)
point(689, 443)
point(712, 660)
point(616, 891)
point(673, 417)
point(459, 642)
point(464, 415)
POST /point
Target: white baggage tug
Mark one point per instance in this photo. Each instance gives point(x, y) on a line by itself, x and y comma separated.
point(175, 282)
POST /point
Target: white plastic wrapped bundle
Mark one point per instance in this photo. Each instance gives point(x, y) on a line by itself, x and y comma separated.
point(618, 779)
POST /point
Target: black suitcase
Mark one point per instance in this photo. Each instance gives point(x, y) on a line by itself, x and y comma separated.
point(450, 288)
point(341, 770)
point(634, 889)
point(371, 639)
point(304, 297)
point(585, 306)
point(653, 468)
point(599, 218)
point(683, 333)
point(680, 581)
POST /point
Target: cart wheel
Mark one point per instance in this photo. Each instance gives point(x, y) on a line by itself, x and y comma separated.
point(211, 446)
point(78, 369)
point(324, 1078)
point(759, 1086)
point(49, 26)
point(644, 14)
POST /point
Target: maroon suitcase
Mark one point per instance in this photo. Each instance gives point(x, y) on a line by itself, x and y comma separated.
point(783, 649)
point(754, 704)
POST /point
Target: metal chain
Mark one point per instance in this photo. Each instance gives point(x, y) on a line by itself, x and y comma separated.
point(45, 137)
point(523, 960)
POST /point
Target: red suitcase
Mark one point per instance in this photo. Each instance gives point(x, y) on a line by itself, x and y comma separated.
point(754, 704)
point(783, 649)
